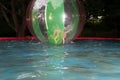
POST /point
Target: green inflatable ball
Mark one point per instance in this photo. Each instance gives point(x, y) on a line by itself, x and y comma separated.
point(55, 21)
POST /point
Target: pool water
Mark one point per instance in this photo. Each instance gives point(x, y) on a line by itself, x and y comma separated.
point(80, 60)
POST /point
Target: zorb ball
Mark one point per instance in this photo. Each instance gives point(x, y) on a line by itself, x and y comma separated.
point(55, 21)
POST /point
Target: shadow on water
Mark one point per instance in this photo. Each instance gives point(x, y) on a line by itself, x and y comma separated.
point(81, 60)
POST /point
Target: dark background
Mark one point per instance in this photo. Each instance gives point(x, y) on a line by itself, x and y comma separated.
point(102, 18)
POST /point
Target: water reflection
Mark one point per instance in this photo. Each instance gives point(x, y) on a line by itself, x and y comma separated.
point(54, 60)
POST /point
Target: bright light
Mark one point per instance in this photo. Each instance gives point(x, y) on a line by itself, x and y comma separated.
point(50, 16)
point(100, 17)
point(63, 17)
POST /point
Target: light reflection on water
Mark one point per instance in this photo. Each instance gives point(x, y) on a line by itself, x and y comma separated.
point(81, 60)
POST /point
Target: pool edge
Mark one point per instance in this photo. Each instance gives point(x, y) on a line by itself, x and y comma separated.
point(78, 38)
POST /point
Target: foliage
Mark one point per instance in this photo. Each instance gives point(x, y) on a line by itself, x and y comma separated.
point(102, 17)
point(13, 13)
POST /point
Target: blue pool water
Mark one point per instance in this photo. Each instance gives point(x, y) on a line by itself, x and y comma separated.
point(80, 60)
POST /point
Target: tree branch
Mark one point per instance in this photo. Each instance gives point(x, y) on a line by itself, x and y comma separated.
point(3, 9)
point(13, 13)
point(7, 19)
